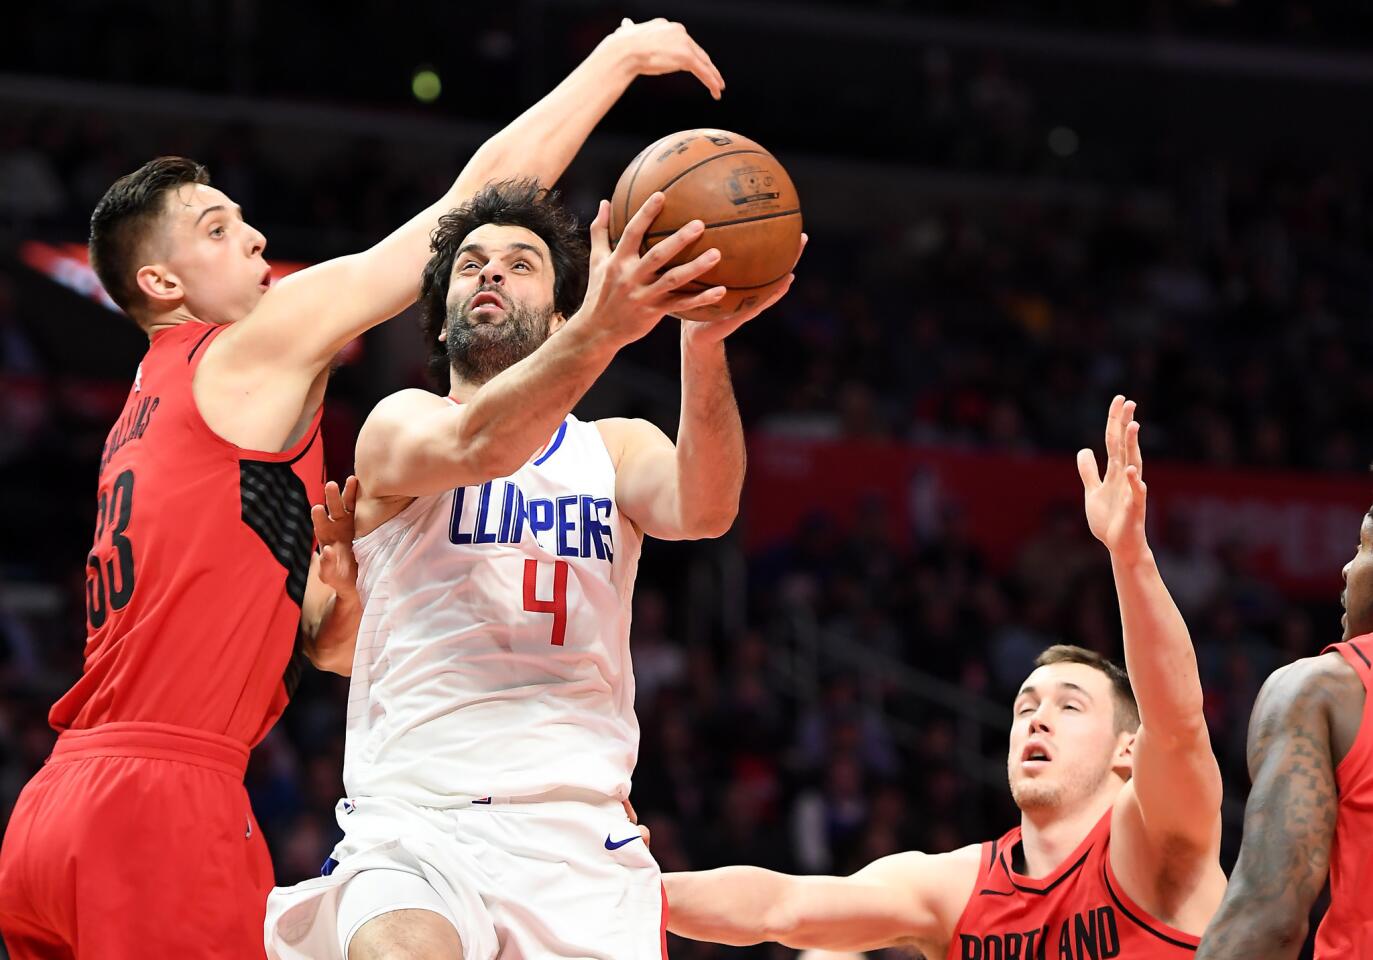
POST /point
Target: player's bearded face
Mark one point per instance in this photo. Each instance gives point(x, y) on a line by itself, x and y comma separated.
point(481, 346)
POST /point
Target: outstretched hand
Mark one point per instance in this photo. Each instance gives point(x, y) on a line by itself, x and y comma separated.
point(661, 46)
point(1115, 503)
point(334, 529)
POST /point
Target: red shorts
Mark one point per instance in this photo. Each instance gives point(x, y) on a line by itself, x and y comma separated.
point(135, 840)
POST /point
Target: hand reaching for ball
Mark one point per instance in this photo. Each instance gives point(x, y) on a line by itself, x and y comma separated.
point(628, 293)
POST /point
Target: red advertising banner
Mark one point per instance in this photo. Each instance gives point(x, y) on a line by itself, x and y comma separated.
point(1297, 529)
point(69, 264)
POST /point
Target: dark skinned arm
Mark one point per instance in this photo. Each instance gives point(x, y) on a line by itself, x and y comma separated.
point(1289, 821)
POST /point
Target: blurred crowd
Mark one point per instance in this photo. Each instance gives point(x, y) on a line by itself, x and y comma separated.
point(1231, 299)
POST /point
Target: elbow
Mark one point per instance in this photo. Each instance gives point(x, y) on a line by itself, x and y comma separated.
point(709, 529)
point(708, 525)
point(780, 923)
point(1280, 936)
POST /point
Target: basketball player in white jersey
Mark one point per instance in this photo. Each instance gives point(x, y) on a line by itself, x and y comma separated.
point(491, 730)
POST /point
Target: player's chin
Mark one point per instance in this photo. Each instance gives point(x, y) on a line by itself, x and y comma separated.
point(1033, 795)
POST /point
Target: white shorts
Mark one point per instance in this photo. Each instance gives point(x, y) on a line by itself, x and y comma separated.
point(548, 878)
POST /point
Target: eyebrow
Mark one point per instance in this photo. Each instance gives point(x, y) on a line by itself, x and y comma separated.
point(215, 208)
point(516, 245)
point(1061, 684)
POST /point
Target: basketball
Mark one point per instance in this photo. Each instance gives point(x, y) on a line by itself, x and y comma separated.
point(738, 190)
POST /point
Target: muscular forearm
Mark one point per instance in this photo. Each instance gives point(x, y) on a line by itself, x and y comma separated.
point(710, 442)
point(1249, 926)
point(731, 905)
point(507, 419)
point(1158, 651)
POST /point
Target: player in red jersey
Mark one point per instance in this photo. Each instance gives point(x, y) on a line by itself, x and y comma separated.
point(136, 838)
point(1310, 811)
point(1117, 852)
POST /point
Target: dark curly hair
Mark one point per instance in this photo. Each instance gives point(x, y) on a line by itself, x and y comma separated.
point(125, 218)
point(515, 203)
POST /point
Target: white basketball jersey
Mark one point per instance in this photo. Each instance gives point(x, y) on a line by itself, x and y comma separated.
point(493, 655)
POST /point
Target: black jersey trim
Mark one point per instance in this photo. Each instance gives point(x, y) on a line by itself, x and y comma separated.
point(1041, 891)
point(991, 865)
point(1106, 878)
point(1361, 654)
point(314, 435)
point(199, 343)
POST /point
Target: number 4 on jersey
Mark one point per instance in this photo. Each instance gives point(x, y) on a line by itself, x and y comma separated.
point(557, 606)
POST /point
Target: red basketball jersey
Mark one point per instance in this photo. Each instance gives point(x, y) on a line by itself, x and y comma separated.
point(1078, 912)
point(1347, 930)
point(202, 548)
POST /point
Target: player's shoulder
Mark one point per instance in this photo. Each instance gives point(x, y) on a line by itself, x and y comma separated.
point(390, 416)
point(403, 404)
point(624, 426)
point(1311, 681)
point(626, 433)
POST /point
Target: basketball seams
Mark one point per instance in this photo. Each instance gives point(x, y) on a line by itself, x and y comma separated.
point(728, 223)
point(719, 156)
point(629, 191)
point(752, 286)
point(705, 193)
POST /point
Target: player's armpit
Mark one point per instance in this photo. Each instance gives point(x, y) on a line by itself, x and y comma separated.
point(1289, 822)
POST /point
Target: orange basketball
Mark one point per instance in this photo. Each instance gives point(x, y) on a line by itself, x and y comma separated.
point(741, 193)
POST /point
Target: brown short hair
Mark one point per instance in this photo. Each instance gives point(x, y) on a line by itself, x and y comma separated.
point(125, 217)
point(1127, 710)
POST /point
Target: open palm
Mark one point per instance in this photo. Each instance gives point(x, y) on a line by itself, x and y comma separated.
point(1115, 503)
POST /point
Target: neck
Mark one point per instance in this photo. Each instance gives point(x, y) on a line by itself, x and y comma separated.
point(1050, 834)
point(165, 321)
point(460, 389)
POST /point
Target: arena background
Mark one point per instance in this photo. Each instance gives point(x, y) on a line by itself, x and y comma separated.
point(1016, 210)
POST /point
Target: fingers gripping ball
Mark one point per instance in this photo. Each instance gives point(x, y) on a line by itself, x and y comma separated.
point(738, 190)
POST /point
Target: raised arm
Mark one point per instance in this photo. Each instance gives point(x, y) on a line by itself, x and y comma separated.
point(415, 444)
point(688, 490)
point(1289, 822)
point(1176, 783)
point(301, 323)
point(907, 899)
